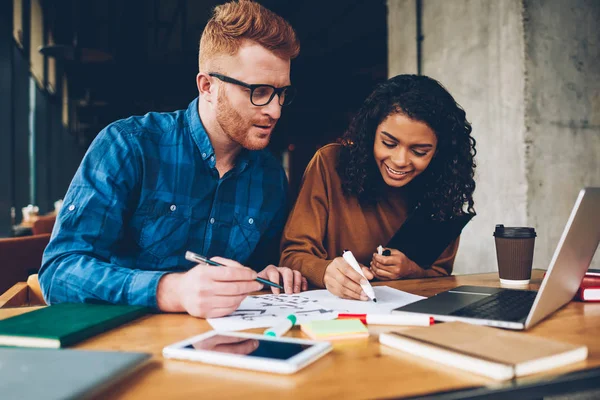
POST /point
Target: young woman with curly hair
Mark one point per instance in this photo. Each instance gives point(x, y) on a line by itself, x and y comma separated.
point(409, 146)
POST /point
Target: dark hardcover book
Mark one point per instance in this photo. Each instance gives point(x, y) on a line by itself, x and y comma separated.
point(33, 374)
point(62, 325)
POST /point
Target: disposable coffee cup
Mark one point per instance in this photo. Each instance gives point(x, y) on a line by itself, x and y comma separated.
point(514, 251)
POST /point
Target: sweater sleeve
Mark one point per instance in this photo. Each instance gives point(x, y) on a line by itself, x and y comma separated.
point(302, 246)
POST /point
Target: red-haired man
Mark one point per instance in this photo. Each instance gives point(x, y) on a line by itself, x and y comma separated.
point(152, 187)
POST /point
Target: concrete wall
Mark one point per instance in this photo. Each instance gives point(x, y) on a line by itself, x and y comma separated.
point(499, 60)
point(402, 34)
point(475, 50)
point(562, 113)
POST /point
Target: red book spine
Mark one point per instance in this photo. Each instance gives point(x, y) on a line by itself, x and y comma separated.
point(590, 280)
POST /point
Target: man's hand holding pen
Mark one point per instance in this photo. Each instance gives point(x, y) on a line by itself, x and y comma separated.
point(208, 290)
point(293, 281)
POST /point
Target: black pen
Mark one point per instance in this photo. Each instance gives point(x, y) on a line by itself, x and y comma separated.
point(191, 256)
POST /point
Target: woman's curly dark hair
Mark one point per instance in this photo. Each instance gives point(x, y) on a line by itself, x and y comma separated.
point(447, 184)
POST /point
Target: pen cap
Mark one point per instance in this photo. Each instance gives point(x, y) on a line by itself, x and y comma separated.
point(349, 257)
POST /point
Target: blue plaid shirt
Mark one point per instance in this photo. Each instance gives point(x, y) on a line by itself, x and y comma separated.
point(148, 190)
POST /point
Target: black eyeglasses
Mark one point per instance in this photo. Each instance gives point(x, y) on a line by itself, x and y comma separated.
point(262, 94)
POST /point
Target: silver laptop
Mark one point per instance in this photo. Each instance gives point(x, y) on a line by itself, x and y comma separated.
point(521, 309)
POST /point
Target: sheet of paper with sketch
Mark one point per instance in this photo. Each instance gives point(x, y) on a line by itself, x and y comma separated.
point(267, 310)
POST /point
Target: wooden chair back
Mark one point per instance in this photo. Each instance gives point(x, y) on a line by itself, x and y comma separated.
point(20, 257)
point(43, 225)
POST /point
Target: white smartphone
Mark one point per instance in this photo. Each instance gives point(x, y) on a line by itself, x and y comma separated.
point(281, 355)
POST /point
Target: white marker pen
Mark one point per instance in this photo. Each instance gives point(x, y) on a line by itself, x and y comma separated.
point(366, 287)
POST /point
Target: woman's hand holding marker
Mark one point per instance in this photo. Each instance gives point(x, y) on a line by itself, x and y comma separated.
point(393, 264)
point(343, 281)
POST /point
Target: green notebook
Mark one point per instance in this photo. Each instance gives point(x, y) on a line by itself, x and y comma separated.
point(62, 325)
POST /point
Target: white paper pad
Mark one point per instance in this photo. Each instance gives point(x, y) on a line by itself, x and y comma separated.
point(269, 309)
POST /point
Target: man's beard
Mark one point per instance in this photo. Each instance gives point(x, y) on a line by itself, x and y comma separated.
point(235, 126)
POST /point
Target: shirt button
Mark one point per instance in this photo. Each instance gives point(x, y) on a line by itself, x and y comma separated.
point(212, 220)
point(173, 207)
point(203, 155)
point(212, 158)
point(71, 207)
point(250, 221)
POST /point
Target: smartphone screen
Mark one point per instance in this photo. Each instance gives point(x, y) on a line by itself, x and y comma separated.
point(249, 346)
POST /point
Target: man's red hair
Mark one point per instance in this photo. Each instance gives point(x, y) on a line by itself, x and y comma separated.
point(235, 21)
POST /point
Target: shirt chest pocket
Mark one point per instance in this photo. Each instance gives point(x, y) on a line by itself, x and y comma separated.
point(165, 229)
point(245, 234)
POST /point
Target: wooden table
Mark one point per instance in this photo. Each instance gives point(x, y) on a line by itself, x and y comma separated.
point(355, 369)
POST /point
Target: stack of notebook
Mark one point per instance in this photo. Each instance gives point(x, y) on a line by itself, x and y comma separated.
point(60, 373)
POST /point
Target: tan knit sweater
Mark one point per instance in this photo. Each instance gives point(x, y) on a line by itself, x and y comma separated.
point(324, 222)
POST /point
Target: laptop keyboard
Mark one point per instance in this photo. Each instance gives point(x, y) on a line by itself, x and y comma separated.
point(508, 305)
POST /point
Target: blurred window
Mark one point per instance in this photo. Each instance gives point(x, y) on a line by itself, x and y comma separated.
point(18, 22)
point(36, 59)
point(51, 82)
point(65, 101)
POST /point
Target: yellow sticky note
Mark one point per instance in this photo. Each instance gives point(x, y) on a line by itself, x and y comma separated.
point(335, 329)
